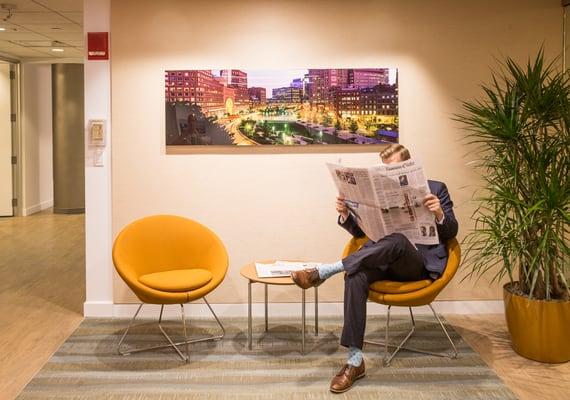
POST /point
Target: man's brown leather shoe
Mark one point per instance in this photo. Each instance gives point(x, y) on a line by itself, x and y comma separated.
point(346, 377)
point(306, 278)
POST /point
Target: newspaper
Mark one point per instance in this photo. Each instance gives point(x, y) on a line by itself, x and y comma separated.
point(281, 268)
point(388, 198)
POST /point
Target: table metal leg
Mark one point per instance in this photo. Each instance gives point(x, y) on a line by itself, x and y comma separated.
point(249, 322)
point(266, 319)
point(303, 323)
point(316, 311)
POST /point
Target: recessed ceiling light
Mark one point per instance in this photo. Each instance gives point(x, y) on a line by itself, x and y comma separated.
point(57, 50)
point(2, 29)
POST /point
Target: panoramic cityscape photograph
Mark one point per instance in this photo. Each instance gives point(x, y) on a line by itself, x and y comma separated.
point(281, 107)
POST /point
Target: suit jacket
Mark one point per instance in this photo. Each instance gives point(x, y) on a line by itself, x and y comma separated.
point(435, 256)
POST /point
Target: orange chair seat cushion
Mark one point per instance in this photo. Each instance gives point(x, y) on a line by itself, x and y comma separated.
point(178, 280)
point(393, 287)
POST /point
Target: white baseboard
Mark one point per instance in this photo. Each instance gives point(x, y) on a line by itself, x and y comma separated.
point(38, 207)
point(101, 309)
point(44, 205)
point(32, 210)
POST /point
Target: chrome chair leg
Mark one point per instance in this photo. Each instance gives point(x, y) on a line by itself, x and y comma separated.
point(171, 343)
point(184, 331)
point(455, 352)
point(126, 353)
point(215, 337)
point(387, 359)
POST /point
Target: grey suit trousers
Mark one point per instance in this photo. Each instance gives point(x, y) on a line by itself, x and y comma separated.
point(394, 258)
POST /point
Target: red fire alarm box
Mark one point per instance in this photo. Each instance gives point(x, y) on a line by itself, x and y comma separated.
point(97, 45)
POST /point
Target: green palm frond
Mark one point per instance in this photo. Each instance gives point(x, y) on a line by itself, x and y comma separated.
point(520, 132)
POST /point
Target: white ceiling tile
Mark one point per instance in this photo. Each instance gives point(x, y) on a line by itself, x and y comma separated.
point(23, 52)
point(24, 6)
point(75, 17)
point(23, 35)
point(38, 17)
point(62, 5)
point(9, 27)
point(28, 51)
point(18, 52)
point(53, 28)
point(70, 52)
point(35, 23)
point(46, 43)
point(33, 43)
point(66, 36)
point(75, 43)
point(8, 55)
point(47, 52)
point(9, 46)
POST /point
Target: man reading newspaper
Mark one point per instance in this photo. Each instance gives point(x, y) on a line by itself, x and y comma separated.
point(392, 257)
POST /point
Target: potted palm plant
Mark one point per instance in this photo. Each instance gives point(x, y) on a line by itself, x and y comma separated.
point(521, 136)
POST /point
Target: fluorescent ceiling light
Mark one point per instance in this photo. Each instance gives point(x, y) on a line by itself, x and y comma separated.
point(57, 50)
point(2, 29)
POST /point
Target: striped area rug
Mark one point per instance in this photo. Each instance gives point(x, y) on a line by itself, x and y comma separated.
point(87, 365)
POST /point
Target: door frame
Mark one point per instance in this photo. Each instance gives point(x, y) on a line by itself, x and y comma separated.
point(17, 149)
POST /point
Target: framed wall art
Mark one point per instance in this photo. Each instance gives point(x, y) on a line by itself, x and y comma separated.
point(289, 107)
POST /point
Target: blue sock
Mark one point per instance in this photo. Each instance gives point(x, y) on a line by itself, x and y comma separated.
point(328, 270)
point(354, 356)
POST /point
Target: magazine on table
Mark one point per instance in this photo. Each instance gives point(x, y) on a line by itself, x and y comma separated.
point(280, 269)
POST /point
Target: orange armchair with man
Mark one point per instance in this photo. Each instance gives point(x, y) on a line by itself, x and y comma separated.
point(393, 258)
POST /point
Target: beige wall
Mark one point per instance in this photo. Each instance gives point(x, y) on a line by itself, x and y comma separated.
point(37, 137)
point(281, 205)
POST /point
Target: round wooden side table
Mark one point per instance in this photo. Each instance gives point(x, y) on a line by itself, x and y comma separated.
point(249, 272)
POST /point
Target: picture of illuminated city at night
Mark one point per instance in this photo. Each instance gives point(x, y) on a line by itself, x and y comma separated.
point(281, 107)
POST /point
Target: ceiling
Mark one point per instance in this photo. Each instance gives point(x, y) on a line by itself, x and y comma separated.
point(35, 24)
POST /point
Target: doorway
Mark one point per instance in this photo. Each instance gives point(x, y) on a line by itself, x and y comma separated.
point(9, 182)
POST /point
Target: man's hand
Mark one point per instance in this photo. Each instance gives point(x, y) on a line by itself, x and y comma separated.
point(431, 201)
point(341, 207)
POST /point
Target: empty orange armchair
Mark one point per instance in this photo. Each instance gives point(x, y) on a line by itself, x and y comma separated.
point(410, 294)
point(167, 259)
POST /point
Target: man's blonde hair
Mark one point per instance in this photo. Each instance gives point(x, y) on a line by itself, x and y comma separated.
point(394, 149)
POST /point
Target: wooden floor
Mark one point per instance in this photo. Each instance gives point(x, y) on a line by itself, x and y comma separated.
point(530, 380)
point(42, 290)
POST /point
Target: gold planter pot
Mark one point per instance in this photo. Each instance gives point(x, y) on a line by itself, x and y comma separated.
point(539, 329)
